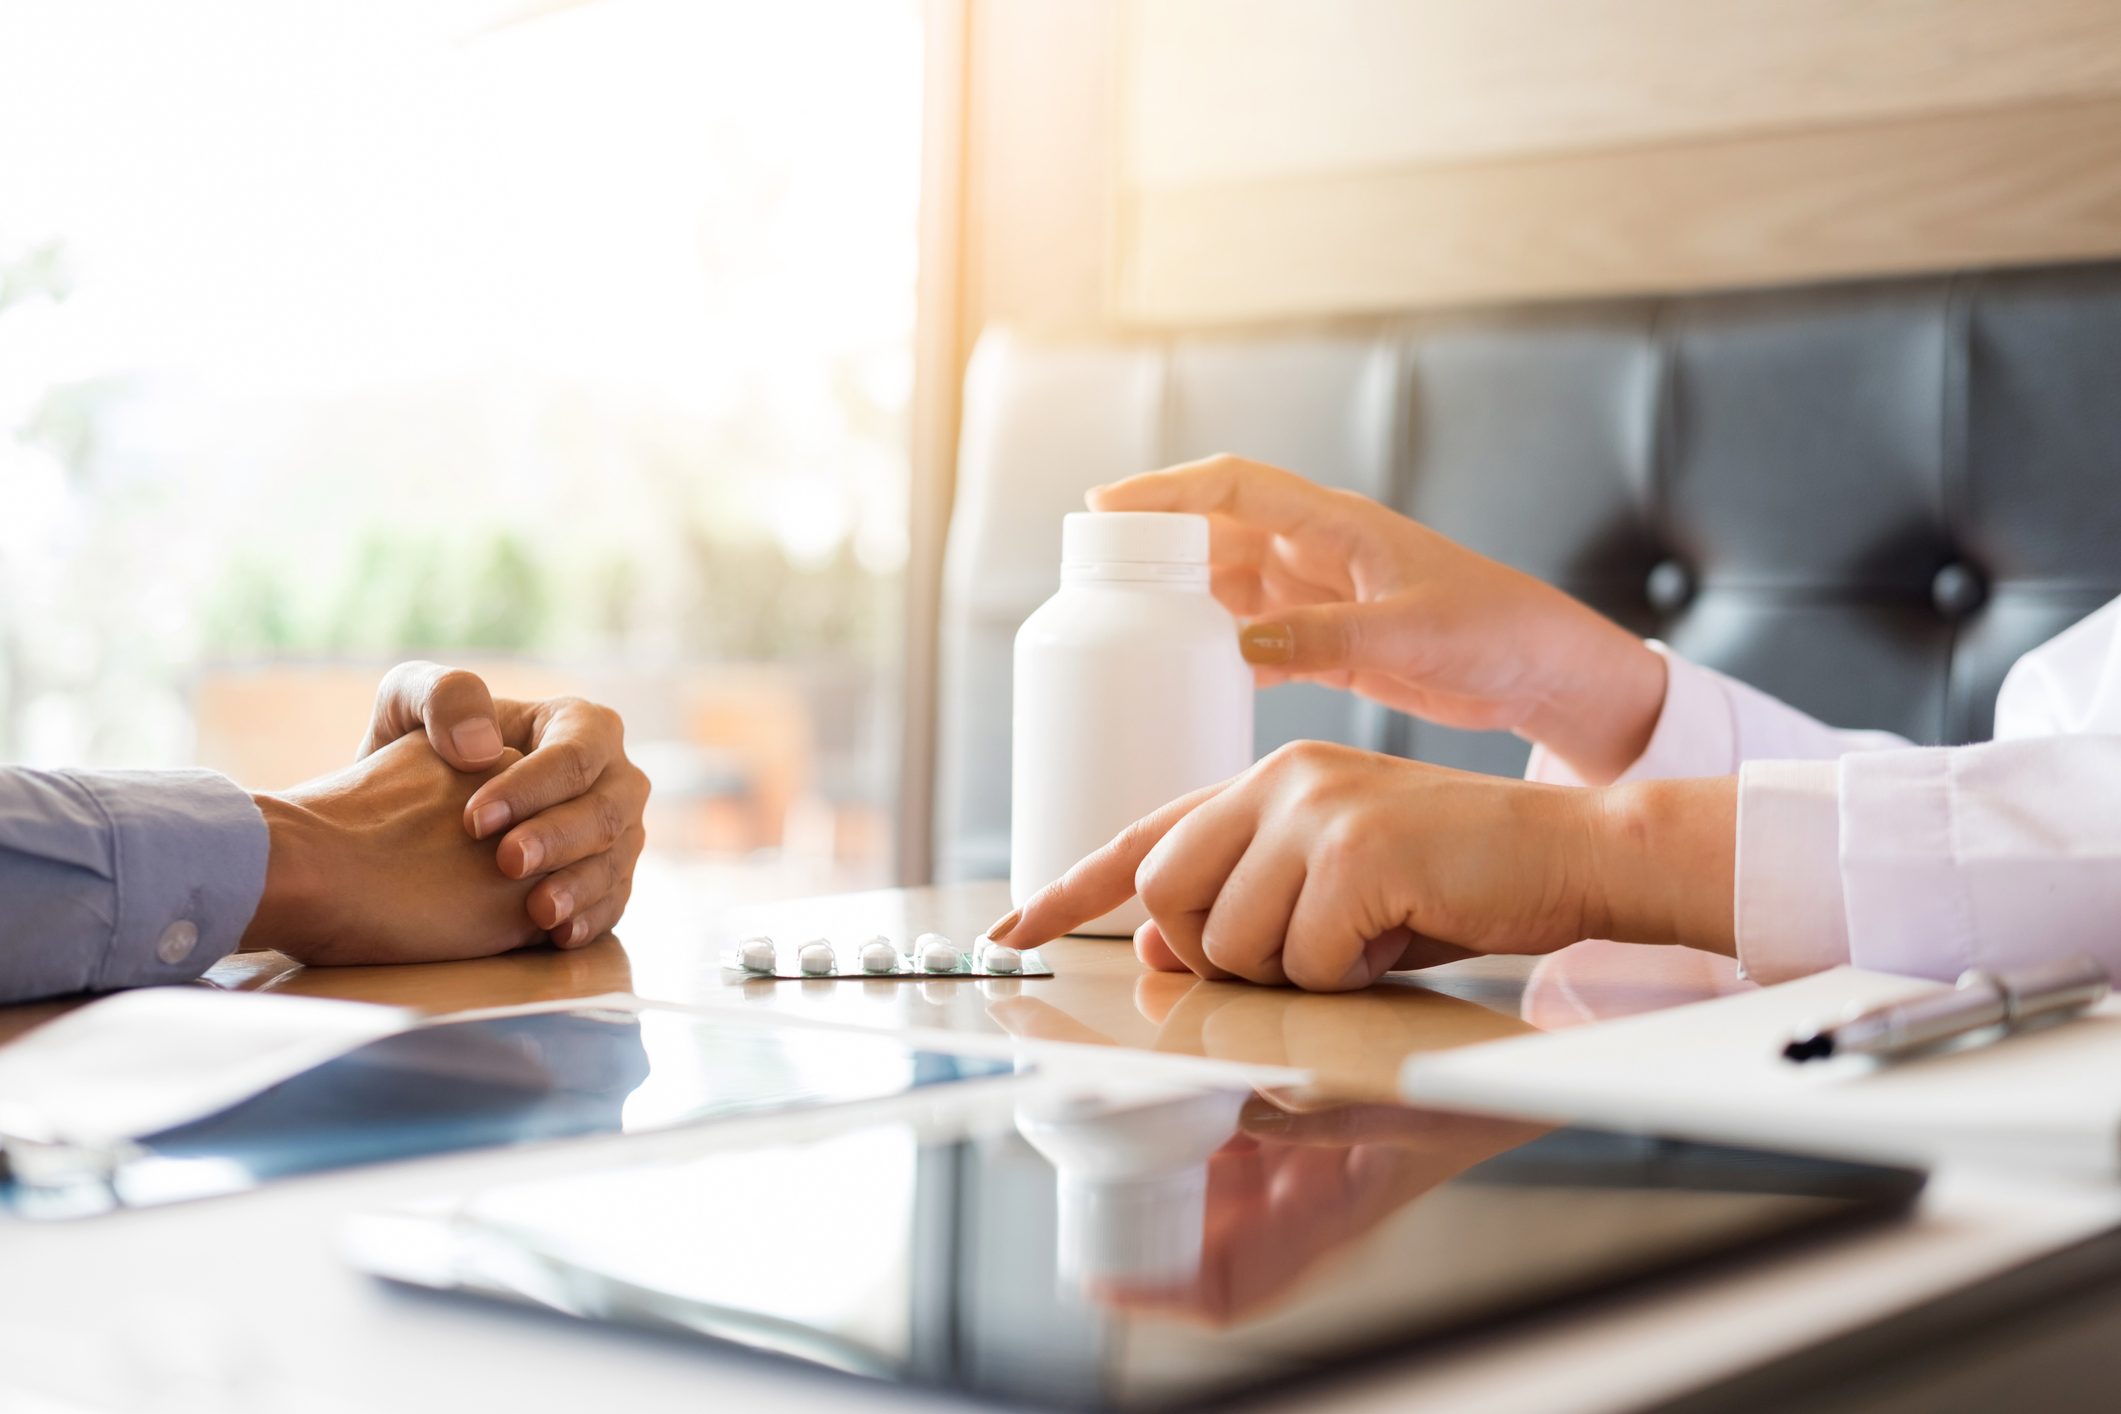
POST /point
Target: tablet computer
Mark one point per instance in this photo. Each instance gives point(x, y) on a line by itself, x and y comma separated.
point(564, 1072)
point(1083, 1256)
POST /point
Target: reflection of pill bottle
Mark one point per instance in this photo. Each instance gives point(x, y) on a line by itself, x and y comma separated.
point(1130, 692)
point(1130, 1184)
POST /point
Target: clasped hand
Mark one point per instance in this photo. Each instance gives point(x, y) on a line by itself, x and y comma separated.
point(467, 826)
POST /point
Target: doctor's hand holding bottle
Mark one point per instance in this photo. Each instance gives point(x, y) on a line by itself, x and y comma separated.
point(1334, 588)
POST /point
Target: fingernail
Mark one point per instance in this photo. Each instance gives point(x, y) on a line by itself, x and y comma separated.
point(562, 905)
point(488, 818)
point(1001, 929)
point(1266, 644)
point(572, 935)
point(533, 856)
point(477, 740)
point(1357, 976)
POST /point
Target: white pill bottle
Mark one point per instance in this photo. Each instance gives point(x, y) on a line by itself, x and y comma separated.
point(1130, 692)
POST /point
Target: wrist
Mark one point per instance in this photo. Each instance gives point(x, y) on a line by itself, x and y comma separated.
point(1663, 863)
point(1601, 703)
point(284, 911)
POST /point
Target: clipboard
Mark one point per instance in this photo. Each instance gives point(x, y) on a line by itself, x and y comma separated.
point(2045, 1101)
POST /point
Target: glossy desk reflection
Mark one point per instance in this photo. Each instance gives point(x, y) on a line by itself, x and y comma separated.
point(1090, 1254)
point(669, 949)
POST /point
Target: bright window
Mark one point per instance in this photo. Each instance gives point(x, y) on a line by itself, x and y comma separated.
point(571, 342)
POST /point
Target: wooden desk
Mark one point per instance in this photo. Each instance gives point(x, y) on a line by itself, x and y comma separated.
point(673, 940)
point(242, 1304)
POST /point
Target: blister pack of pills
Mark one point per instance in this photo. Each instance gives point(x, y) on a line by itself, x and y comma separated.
point(929, 955)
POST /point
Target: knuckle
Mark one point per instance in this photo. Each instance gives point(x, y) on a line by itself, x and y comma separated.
point(1299, 756)
point(1304, 972)
point(455, 683)
point(1057, 899)
point(1134, 839)
point(1347, 639)
point(610, 818)
point(1335, 848)
point(399, 685)
point(1304, 959)
point(1153, 884)
point(613, 907)
point(577, 767)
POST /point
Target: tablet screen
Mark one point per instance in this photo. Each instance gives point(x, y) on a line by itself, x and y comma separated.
point(1141, 1258)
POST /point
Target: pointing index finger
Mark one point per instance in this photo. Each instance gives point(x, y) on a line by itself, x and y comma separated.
point(1100, 882)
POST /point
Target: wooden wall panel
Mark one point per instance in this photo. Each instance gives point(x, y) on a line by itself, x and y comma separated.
point(1303, 157)
point(1221, 90)
point(2028, 185)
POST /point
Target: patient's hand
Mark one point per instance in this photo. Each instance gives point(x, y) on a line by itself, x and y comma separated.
point(1341, 590)
point(373, 865)
point(567, 805)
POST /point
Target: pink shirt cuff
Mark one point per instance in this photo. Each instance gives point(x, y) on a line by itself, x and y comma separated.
point(1790, 914)
point(1694, 735)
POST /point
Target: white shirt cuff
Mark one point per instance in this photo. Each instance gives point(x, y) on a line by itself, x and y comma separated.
point(1907, 893)
point(1694, 735)
point(1790, 916)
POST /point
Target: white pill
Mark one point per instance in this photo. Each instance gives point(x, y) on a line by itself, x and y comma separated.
point(816, 958)
point(938, 953)
point(1000, 959)
point(756, 954)
point(879, 956)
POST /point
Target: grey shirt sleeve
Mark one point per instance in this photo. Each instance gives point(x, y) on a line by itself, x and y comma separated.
point(114, 879)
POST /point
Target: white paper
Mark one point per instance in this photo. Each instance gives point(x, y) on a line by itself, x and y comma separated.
point(140, 1062)
point(2047, 1100)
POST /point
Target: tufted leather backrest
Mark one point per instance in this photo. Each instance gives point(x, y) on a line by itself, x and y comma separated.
point(1866, 499)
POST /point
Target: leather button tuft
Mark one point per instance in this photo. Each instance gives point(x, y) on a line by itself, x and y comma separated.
point(1957, 590)
point(1670, 588)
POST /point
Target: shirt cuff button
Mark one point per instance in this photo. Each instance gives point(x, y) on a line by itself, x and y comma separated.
point(177, 941)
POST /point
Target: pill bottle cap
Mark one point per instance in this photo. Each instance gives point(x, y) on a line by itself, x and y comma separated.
point(1134, 537)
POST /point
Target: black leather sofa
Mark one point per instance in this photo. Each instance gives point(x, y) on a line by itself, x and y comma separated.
point(1866, 498)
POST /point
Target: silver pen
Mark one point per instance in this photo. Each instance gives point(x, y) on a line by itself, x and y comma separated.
point(2050, 991)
